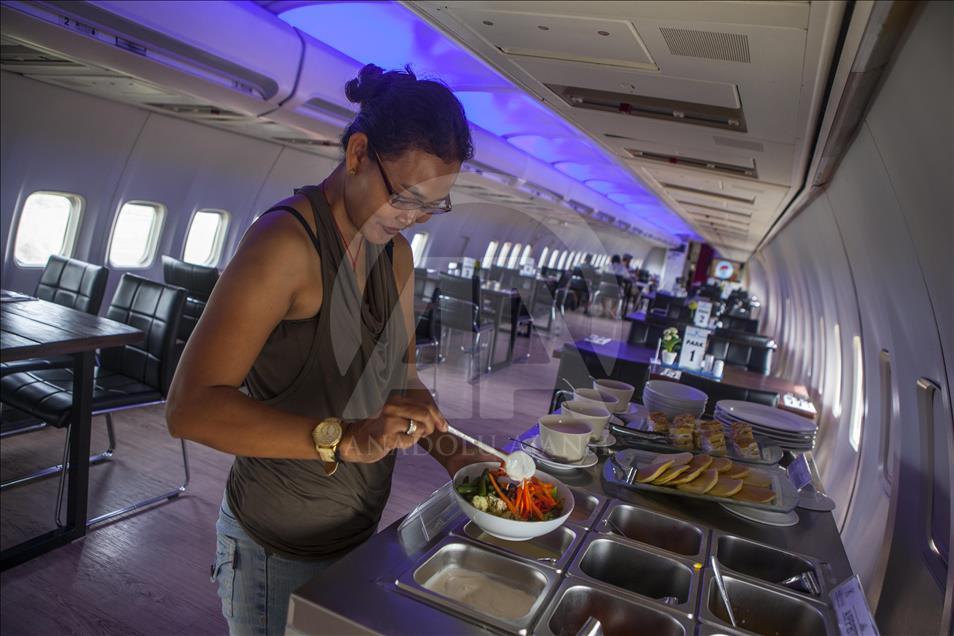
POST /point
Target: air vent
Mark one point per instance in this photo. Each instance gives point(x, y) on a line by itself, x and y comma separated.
point(24, 56)
point(714, 209)
point(651, 107)
point(692, 162)
point(199, 111)
point(329, 108)
point(708, 45)
point(580, 208)
point(304, 141)
point(708, 193)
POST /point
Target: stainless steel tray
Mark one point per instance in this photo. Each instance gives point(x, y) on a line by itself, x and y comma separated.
point(766, 563)
point(586, 508)
point(786, 497)
point(771, 454)
point(655, 529)
point(454, 555)
point(637, 571)
point(554, 549)
point(759, 609)
point(575, 601)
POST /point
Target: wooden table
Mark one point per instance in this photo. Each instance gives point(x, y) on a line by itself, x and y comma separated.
point(32, 328)
point(736, 376)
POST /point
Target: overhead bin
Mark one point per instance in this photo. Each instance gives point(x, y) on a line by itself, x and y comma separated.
point(244, 70)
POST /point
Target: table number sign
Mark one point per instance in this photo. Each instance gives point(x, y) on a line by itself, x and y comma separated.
point(851, 609)
point(703, 313)
point(693, 348)
point(800, 473)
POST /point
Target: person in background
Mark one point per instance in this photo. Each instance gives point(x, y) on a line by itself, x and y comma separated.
point(616, 267)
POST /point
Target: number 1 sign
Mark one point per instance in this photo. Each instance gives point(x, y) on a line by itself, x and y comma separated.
point(693, 348)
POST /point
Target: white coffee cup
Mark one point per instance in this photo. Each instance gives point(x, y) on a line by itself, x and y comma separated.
point(597, 398)
point(595, 415)
point(620, 390)
point(717, 368)
point(564, 437)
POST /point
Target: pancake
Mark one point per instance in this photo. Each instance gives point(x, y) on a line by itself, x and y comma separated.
point(737, 472)
point(726, 487)
point(721, 464)
point(689, 475)
point(701, 484)
point(754, 494)
point(671, 473)
point(677, 459)
point(757, 478)
point(646, 474)
point(701, 461)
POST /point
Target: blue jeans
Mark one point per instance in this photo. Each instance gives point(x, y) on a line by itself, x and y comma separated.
point(255, 586)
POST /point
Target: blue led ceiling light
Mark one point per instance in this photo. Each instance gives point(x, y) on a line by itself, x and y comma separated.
point(391, 36)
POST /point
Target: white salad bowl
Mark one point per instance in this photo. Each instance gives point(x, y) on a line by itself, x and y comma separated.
point(511, 529)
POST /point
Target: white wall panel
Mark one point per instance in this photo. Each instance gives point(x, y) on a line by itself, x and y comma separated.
point(55, 139)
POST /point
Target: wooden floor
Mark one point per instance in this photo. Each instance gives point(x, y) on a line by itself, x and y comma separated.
point(149, 573)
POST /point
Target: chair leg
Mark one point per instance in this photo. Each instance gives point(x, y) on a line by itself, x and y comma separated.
point(25, 429)
point(172, 494)
point(99, 458)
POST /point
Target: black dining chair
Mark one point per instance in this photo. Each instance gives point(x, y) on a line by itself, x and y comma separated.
point(721, 391)
point(578, 367)
point(609, 290)
point(463, 315)
point(126, 377)
point(427, 336)
point(71, 283)
point(198, 281)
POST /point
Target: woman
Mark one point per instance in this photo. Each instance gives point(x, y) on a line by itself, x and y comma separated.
point(314, 315)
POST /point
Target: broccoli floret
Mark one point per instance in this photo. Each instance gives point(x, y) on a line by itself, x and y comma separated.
point(480, 503)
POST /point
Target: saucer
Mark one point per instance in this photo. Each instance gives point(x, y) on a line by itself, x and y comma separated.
point(607, 439)
point(544, 460)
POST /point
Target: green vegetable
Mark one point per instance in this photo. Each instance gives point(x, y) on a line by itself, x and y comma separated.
point(467, 490)
point(483, 483)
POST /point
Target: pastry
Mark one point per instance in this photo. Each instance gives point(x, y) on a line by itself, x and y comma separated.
point(671, 473)
point(726, 487)
point(648, 473)
point(701, 484)
point(754, 494)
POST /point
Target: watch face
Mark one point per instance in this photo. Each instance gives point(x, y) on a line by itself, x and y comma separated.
point(327, 433)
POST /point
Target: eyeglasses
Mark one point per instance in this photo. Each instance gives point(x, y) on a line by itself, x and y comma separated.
point(403, 203)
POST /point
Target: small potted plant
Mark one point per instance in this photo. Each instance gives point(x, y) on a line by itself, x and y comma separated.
point(670, 341)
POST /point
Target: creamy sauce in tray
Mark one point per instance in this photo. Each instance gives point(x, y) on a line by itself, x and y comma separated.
point(481, 592)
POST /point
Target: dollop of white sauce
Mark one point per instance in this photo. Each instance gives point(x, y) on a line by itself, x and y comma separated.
point(519, 466)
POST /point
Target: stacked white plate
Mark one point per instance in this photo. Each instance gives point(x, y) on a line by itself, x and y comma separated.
point(787, 430)
point(673, 398)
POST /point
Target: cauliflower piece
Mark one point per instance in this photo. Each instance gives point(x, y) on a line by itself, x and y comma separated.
point(480, 503)
point(497, 505)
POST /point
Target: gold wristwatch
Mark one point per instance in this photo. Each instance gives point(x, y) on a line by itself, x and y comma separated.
point(327, 436)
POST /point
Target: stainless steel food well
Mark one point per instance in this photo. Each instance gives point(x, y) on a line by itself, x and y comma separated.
point(766, 563)
point(553, 549)
point(586, 508)
point(656, 529)
point(479, 584)
point(762, 610)
point(575, 601)
point(641, 571)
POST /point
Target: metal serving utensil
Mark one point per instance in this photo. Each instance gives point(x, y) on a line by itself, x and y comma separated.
point(592, 627)
point(717, 572)
point(804, 581)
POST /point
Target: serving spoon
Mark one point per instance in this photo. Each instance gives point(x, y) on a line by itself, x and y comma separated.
point(518, 464)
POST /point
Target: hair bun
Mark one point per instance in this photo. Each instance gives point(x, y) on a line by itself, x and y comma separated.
point(372, 80)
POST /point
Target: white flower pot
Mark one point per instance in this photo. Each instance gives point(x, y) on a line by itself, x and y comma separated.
point(669, 357)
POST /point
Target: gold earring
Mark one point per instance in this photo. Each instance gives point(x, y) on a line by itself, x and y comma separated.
point(352, 172)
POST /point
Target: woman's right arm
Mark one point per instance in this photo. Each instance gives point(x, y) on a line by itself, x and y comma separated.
point(272, 276)
point(260, 287)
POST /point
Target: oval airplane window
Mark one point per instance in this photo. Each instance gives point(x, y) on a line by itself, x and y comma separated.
point(135, 234)
point(206, 235)
point(47, 227)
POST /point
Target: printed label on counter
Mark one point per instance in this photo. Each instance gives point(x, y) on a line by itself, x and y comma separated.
point(851, 608)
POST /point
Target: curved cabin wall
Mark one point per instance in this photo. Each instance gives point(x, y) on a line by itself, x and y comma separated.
point(872, 254)
point(110, 153)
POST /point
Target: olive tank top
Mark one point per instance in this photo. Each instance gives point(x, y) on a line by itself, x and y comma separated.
point(344, 362)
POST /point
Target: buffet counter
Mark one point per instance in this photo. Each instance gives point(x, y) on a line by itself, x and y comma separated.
point(657, 575)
